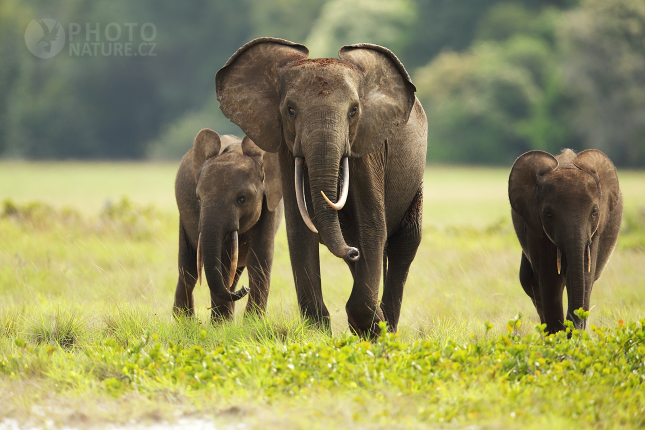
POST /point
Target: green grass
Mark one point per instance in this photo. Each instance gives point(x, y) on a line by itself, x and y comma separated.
point(86, 333)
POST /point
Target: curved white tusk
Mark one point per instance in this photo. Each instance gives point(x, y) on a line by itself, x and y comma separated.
point(559, 261)
point(343, 194)
point(200, 262)
point(588, 259)
point(300, 195)
point(234, 255)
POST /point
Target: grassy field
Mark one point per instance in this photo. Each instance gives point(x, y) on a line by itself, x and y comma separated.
point(86, 334)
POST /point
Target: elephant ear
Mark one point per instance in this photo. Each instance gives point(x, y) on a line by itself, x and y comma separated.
point(600, 166)
point(247, 88)
point(250, 149)
point(272, 180)
point(271, 169)
point(387, 95)
point(522, 186)
point(207, 145)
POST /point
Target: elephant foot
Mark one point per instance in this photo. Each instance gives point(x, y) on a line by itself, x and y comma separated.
point(391, 325)
point(181, 312)
point(369, 330)
point(317, 316)
point(322, 324)
point(221, 313)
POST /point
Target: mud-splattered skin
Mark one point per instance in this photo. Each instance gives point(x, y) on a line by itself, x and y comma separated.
point(316, 114)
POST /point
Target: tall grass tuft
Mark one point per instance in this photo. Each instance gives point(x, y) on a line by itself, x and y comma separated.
point(63, 328)
point(126, 324)
point(10, 322)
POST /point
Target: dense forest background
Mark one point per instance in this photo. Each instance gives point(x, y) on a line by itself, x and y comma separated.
point(497, 78)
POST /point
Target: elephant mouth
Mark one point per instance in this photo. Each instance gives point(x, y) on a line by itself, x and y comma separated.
point(587, 258)
point(345, 189)
point(233, 269)
point(302, 205)
point(332, 238)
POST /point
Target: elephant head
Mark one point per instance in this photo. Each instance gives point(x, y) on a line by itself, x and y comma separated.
point(568, 199)
point(323, 110)
point(233, 180)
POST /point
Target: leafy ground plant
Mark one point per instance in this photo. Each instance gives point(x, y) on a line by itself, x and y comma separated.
point(87, 336)
point(594, 379)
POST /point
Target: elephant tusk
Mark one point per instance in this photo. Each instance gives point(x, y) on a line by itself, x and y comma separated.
point(588, 259)
point(234, 255)
point(300, 195)
point(343, 195)
point(559, 260)
point(200, 262)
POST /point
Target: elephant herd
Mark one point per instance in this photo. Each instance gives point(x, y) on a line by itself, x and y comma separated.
point(339, 146)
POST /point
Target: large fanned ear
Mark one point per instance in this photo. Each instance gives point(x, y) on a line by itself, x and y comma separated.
point(387, 94)
point(522, 186)
point(207, 144)
point(600, 166)
point(247, 88)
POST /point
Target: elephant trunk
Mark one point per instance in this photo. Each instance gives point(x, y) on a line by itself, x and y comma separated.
point(345, 190)
point(326, 148)
point(578, 280)
point(210, 247)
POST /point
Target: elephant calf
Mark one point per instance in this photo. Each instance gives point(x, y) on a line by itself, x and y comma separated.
point(229, 198)
point(567, 212)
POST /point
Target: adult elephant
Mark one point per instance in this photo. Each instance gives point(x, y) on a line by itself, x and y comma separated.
point(567, 212)
point(359, 112)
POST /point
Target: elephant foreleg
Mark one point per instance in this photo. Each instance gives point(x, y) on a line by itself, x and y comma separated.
point(184, 304)
point(401, 249)
point(224, 310)
point(551, 287)
point(303, 248)
point(530, 285)
point(363, 310)
point(260, 260)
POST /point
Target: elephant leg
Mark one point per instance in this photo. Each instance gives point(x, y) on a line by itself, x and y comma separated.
point(530, 285)
point(589, 279)
point(260, 260)
point(401, 249)
point(551, 286)
point(224, 310)
point(552, 308)
point(303, 248)
point(363, 310)
point(367, 214)
point(184, 304)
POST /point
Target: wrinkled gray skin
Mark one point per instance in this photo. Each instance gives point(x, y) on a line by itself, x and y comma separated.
point(569, 205)
point(361, 106)
point(224, 185)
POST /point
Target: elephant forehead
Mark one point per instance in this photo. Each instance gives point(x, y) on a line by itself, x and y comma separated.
point(314, 78)
point(568, 183)
point(230, 169)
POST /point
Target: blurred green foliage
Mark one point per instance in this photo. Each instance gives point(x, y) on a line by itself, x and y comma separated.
point(497, 78)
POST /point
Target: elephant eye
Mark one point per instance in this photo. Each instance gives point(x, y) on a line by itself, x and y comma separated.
point(291, 111)
point(352, 113)
point(548, 214)
point(241, 199)
point(594, 214)
point(199, 200)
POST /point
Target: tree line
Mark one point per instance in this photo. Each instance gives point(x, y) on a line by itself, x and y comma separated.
point(497, 78)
